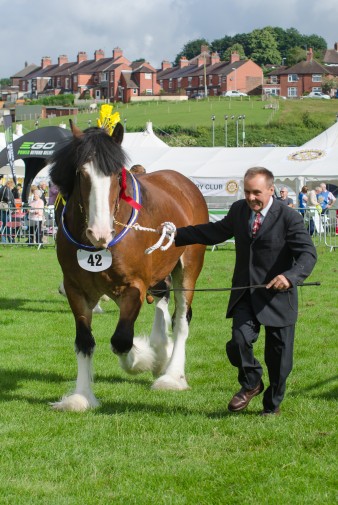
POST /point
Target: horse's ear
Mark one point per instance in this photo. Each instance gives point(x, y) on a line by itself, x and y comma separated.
point(118, 133)
point(75, 130)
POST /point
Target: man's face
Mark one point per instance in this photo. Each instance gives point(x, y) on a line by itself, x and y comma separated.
point(284, 193)
point(257, 192)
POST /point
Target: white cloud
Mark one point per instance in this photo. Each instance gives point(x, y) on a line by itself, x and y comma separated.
point(150, 29)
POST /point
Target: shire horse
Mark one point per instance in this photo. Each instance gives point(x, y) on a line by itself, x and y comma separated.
point(102, 251)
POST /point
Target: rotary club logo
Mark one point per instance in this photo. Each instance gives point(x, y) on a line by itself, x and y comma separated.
point(231, 187)
point(307, 155)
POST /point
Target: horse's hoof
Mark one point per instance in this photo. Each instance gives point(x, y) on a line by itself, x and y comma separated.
point(75, 403)
point(139, 359)
point(169, 383)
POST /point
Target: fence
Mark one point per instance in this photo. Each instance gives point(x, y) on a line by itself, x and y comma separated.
point(16, 227)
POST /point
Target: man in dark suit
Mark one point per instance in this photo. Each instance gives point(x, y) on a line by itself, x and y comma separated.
point(272, 248)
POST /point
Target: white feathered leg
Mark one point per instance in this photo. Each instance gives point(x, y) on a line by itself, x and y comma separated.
point(151, 354)
point(174, 376)
point(83, 397)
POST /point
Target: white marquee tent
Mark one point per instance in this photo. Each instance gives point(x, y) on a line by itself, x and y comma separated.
point(219, 171)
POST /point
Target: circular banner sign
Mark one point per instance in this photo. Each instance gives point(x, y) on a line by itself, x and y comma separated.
point(94, 261)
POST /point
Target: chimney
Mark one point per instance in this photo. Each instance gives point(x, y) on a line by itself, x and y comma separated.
point(99, 54)
point(117, 53)
point(215, 58)
point(183, 62)
point(336, 46)
point(81, 56)
point(309, 55)
point(62, 59)
point(165, 65)
point(234, 57)
point(46, 61)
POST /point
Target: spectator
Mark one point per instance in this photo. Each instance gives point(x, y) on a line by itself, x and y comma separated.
point(43, 192)
point(35, 219)
point(53, 193)
point(284, 198)
point(6, 202)
point(302, 199)
point(314, 210)
point(325, 198)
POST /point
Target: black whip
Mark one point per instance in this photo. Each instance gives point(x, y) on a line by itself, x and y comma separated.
point(236, 288)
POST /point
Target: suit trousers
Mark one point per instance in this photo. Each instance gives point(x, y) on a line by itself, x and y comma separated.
point(278, 352)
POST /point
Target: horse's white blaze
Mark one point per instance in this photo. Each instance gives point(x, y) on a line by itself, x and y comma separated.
point(83, 397)
point(100, 226)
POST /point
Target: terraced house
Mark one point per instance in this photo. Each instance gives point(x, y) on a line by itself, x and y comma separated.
point(206, 74)
point(114, 78)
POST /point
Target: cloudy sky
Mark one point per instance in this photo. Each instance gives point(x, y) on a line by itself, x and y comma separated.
point(150, 29)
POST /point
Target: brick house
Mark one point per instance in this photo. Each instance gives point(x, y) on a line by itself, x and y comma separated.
point(113, 78)
point(303, 77)
point(207, 74)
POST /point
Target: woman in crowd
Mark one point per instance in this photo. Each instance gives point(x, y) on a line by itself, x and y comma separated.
point(35, 219)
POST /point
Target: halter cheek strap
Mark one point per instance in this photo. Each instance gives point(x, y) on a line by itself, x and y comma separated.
point(123, 195)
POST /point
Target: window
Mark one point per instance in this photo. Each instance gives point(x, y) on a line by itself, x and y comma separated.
point(170, 83)
point(147, 75)
point(292, 92)
point(201, 80)
point(149, 91)
point(75, 78)
point(189, 81)
point(274, 79)
point(134, 91)
point(210, 79)
point(317, 89)
point(293, 78)
point(316, 77)
point(179, 82)
point(104, 76)
point(111, 76)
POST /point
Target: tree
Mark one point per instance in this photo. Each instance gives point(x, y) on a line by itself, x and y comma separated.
point(191, 49)
point(235, 47)
point(220, 45)
point(295, 55)
point(329, 84)
point(315, 42)
point(263, 47)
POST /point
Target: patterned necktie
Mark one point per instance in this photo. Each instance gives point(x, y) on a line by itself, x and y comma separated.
point(256, 224)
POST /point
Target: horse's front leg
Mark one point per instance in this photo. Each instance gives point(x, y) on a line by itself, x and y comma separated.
point(135, 354)
point(83, 397)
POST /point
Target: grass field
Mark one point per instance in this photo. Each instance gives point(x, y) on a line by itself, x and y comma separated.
point(150, 447)
point(196, 114)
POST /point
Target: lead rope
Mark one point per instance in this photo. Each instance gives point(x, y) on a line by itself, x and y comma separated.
point(168, 231)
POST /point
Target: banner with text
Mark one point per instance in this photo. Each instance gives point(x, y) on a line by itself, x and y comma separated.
point(216, 186)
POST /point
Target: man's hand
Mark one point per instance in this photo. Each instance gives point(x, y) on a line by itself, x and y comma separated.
point(169, 227)
point(279, 282)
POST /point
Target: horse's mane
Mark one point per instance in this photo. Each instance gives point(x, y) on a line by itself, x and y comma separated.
point(93, 145)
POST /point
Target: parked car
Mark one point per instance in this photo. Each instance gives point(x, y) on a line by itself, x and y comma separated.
point(234, 93)
point(196, 96)
point(317, 94)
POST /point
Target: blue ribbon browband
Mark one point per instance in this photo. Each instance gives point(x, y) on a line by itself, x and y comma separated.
point(119, 236)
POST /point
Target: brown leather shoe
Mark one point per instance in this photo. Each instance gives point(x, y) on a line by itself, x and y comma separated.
point(266, 413)
point(242, 399)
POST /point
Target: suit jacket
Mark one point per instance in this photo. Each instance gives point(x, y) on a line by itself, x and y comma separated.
point(282, 246)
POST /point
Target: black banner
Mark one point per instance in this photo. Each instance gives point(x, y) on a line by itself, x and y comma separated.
point(9, 144)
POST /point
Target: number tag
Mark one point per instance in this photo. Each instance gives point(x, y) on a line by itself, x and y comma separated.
point(95, 261)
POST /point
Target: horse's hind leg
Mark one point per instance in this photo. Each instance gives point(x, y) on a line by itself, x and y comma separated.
point(174, 375)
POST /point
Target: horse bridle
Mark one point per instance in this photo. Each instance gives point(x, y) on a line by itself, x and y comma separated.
point(134, 202)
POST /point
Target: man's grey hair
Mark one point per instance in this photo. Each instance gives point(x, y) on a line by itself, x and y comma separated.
point(252, 172)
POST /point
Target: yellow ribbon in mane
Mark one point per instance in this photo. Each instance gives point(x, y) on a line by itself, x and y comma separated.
point(107, 120)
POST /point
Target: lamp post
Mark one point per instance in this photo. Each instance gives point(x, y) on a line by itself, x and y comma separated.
point(235, 70)
point(226, 130)
point(237, 120)
point(213, 117)
point(243, 129)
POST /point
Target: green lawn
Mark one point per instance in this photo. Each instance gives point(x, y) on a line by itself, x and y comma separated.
point(142, 446)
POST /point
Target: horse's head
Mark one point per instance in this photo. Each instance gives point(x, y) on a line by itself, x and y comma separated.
point(88, 171)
